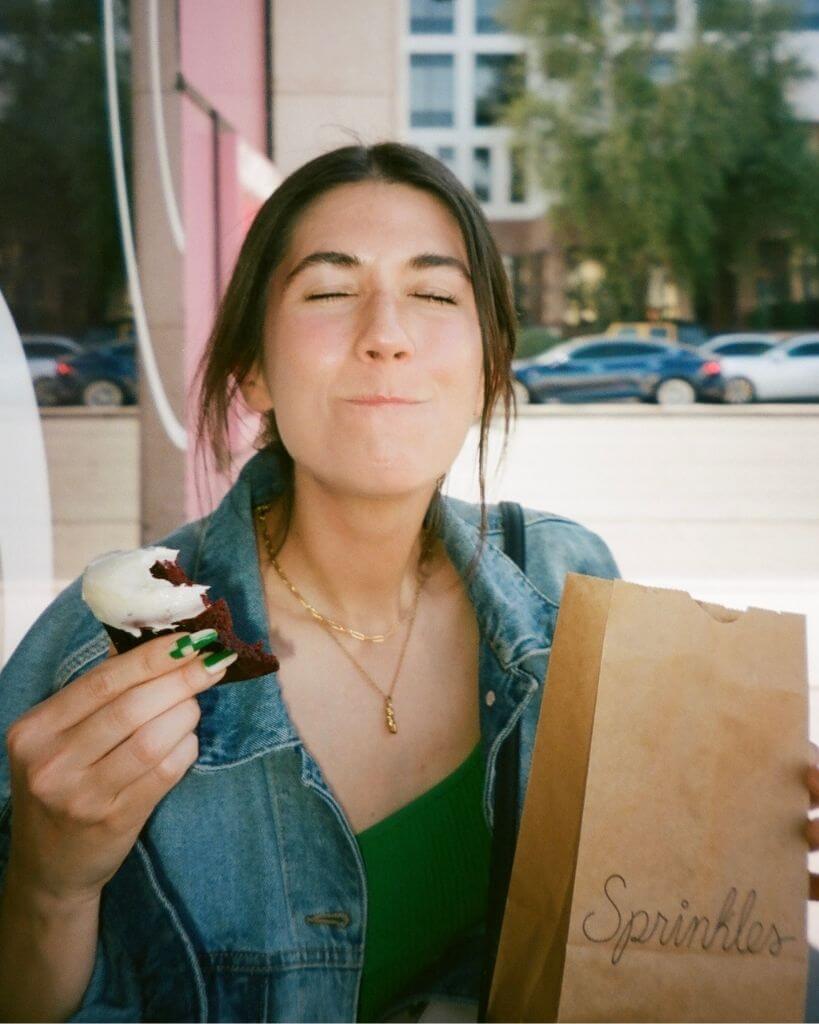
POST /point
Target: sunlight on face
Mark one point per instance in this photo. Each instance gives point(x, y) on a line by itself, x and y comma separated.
point(374, 299)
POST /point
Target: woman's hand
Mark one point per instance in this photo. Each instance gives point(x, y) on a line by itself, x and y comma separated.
point(90, 763)
point(812, 826)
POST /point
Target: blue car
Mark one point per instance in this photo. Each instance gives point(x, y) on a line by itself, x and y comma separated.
point(598, 368)
point(102, 376)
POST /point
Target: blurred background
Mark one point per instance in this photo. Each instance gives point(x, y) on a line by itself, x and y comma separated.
point(649, 168)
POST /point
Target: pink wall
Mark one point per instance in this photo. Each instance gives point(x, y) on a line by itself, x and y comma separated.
point(222, 58)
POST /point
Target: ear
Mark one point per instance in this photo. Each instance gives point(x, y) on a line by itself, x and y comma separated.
point(255, 390)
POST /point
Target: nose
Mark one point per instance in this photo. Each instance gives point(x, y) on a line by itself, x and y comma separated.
point(381, 333)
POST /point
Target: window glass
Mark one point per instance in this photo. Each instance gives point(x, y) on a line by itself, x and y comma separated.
point(604, 350)
point(485, 16)
point(654, 15)
point(517, 175)
point(482, 173)
point(811, 349)
point(446, 154)
point(432, 90)
point(499, 79)
point(661, 67)
point(432, 16)
point(743, 348)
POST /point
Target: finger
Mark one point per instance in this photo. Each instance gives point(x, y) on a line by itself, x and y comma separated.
point(114, 676)
point(813, 887)
point(812, 833)
point(135, 803)
point(812, 777)
point(141, 753)
point(111, 725)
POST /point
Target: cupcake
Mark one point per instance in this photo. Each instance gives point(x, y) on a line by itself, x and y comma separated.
point(140, 594)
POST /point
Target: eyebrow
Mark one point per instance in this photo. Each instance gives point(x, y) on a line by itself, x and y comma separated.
point(344, 259)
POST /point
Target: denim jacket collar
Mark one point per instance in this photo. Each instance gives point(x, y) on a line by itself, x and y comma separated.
point(243, 720)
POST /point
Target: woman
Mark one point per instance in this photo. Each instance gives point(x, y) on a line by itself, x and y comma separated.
point(311, 845)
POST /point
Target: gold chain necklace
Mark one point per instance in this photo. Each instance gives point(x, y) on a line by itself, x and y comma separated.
point(377, 638)
point(331, 626)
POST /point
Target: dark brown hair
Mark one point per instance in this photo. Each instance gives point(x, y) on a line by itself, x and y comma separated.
point(237, 340)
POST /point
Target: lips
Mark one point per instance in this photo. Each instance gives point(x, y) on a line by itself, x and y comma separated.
point(383, 400)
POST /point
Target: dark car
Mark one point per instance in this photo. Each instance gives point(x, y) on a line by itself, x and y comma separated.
point(603, 368)
point(104, 376)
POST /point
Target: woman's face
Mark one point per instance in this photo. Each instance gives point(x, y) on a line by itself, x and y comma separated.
point(373, 299)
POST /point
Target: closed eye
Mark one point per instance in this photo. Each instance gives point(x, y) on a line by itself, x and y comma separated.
point(328, 295)
point(448, 300)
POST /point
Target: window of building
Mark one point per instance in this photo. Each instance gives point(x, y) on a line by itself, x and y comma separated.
point(446, 154)
point(662, 67)
point(517, 175)
point(432, 90)
point(485, 17)
point(499, 79)
point(807, 14)
point(432, 17)
point(482, 173)
point(651, 15)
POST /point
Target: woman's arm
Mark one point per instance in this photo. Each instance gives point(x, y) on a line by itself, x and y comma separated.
point(47, 951)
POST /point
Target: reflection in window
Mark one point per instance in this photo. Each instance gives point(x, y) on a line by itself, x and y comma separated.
point(482, 173)
point(446, 154)
point(485, 20)
point(654, 15)
point(517, 175)
point(432, 16)
point(499, 79)
point(432, 90)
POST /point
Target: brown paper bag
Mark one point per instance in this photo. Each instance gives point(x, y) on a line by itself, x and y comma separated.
point(660, 872)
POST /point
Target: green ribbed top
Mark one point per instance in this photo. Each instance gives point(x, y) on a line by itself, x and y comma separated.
point(427, 869)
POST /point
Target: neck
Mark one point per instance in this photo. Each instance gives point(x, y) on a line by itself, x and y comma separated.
point(354, 557)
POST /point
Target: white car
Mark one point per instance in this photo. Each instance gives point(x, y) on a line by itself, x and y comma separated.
point(763, 368)
point(43, 352)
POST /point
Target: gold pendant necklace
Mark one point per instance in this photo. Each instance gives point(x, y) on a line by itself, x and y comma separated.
point(334, 627)
point(389, 711)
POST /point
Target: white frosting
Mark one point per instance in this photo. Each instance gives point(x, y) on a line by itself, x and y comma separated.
point(119, 589)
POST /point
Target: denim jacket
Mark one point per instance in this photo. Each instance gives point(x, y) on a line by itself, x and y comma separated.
point(245, 897)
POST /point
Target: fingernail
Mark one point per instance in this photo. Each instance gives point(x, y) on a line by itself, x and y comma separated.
point(182, 646)
point(185, 645)
point(203, 638)
point(218, 660)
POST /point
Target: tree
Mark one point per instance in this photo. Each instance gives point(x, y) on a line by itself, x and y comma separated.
point(60, 257)
point(686, 161)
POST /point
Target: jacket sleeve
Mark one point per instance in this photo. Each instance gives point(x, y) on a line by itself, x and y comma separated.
point(64, 642)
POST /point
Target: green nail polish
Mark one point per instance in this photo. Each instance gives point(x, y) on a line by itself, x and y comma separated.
point(203, 638)
point(217, 660)
point(182, 646)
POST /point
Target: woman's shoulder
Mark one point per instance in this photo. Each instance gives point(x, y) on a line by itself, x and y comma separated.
point(555, 544)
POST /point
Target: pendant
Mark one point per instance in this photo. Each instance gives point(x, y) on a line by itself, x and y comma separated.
point(390, 715)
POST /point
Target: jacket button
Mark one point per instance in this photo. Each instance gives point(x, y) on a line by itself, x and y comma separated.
point(490, 698)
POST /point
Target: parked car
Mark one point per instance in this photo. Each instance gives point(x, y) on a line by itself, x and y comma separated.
point(783, 370)
point(599, 368)
point(686, 332)
point(733, 351)
point(104, 376)
point(43, 352)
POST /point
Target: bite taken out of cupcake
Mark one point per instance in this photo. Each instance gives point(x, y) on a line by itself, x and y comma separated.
point(140, 594)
